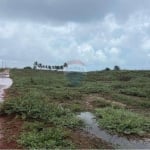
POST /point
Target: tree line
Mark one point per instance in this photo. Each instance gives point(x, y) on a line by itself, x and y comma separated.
point(38, 65)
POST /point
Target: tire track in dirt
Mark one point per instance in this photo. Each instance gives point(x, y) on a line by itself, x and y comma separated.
point(91, 99)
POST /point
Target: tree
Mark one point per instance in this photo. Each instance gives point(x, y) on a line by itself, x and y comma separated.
point(61, 67)
point(116, 68)
point(65, 64)
point(49, 67)
point(27, 68)
point(43, 66)
point(107, 69)
point(40, 65)
point(35, 65)
point(57, 68)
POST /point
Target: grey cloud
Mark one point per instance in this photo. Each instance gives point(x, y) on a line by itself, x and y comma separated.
point(54, 10)
point(125, 8)
point(90, 30)
point(68, 10)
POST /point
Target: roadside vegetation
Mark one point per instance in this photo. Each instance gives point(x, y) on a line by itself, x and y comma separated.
point(49, 104)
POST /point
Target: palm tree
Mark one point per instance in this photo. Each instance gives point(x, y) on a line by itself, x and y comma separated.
point(62, 67)
point(43, 66)
point(53, 67)
point(35, 65)
point(49, 67)
point(40, 65)
point(56, 68)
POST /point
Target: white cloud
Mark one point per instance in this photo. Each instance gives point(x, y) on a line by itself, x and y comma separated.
point(110, 23)
point(101, 56)
point(102, 43)
point(146, 45)
point(114, 51)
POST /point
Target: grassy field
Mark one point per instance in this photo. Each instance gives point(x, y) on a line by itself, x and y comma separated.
point(49, 103)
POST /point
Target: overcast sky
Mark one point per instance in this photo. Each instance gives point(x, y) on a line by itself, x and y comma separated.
point(101, 33)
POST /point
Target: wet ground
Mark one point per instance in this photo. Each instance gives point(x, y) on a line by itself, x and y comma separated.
point(5, 134)
point(84, 140)
point(119, 142)
point(5, 83)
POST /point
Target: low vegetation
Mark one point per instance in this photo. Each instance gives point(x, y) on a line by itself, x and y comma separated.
point(38, 136)
point(31, 108)
point(122, 121)
point(48, 103)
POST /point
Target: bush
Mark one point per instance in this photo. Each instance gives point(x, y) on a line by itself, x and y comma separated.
point(39, 137)
point(122, 121)
point(28, 67)
point(134, 91)
point(31, 108)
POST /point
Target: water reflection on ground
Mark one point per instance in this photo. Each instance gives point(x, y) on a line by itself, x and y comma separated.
point(5, 83)
point(121, 142)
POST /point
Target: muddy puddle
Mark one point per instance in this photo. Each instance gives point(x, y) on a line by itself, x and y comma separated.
point(118, 142)
point(5, 83)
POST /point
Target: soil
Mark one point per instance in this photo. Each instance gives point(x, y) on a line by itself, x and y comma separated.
point(10, 128)
point(84, 140)
point(90, 101)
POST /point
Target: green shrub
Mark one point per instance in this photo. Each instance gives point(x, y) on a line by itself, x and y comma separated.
point(36, 136)
point(122, 121)
point(30, 108)
point(135, 91)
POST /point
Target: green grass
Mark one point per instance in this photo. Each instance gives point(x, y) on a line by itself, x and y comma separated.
point(122, 121)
